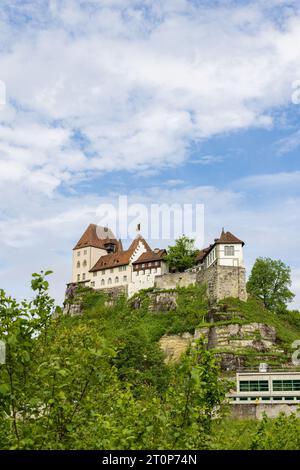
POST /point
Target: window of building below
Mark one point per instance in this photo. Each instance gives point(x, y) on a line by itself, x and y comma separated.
point(277, 398)
point(109, 281)
point(85, 252)
point(84, 263)
point(254, 386)
point(95, 274)
point(111, 270)
point(124, 278)
point(265, 398)
point(154, 270)
point(78, 277)
point(78, 264)
point(117, 280)
point(93, 283)
point(229, 250)
point(83, 277)
point(286, 385)
point(102, 282)
point(78, 253)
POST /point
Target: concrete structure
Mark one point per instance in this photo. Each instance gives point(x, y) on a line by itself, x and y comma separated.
point(270, 392)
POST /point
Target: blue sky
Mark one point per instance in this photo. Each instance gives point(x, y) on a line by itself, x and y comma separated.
point(164, 101)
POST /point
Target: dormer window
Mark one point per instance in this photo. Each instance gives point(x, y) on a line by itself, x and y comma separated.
point(229, 250)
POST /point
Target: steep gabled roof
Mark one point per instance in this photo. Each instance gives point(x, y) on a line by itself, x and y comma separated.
point(201, 255)
point(91, 237)
point(228, 237)
point(135, 244)
point(225, 237)
point(112, 260)
point(121, 258)
point(151, 256)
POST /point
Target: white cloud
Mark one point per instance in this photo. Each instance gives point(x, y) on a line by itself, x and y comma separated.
point(127, 85)
point(274, 181)
point(141, 79)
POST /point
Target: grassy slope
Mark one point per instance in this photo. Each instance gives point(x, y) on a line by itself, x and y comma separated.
point(119, 319)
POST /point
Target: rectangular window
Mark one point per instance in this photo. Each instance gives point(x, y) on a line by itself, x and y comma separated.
point(95, 273)
point(254, 386)
point(112, 270)
point(78, 253)
point(102, 271)
point(78, 277)
point(85, 252)
point(124, 278)
point(286, 385)
point(229, 250)
point(83, 277)
point(93, 283)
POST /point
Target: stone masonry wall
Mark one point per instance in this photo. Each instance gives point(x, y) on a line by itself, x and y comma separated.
point(173, 280)
point(224, 281)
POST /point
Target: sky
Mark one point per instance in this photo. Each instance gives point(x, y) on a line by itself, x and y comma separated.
point(173, 101)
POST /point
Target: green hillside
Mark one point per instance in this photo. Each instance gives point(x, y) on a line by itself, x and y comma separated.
point(99, 380)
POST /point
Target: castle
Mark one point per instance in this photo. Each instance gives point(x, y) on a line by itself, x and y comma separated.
point(100, 262)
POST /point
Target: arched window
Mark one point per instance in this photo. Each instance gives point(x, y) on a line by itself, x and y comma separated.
point(117, 280)
point(78, 264)
point(109, 281)
point(102, 282)
point(84, 263)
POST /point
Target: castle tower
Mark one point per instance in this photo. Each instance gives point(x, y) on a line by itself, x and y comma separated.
point(221, 268)
point(95, 242)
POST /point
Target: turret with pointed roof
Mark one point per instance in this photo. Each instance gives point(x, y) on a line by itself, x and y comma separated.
point(226, 250)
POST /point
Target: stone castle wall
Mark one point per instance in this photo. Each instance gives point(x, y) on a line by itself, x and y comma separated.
point(173, 280)
point(224, 281)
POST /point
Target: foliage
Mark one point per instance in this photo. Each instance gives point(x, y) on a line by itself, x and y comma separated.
point(182, 255)
point(269, 281)
point(281, 433)
point(99, 381)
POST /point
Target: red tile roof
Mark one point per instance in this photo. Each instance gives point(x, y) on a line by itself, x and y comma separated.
point(150, 256)
point(225, 237)
point(228, 237)
point(121, 258)
point(91, 238)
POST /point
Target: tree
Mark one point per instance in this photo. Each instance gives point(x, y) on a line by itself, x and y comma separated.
point(182, 255)
point(270, 281)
